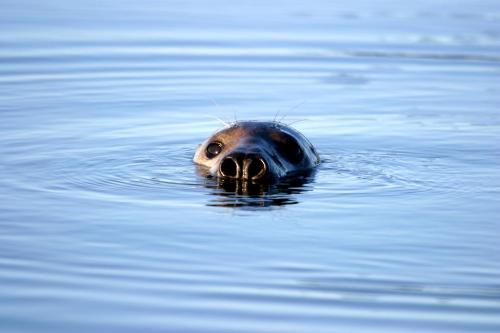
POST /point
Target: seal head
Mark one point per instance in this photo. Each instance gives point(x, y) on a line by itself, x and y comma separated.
point(256, 151)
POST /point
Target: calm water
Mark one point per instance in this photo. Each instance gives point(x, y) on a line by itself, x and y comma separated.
point(106, 227)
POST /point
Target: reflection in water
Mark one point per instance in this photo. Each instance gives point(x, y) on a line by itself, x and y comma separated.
point(241, 193)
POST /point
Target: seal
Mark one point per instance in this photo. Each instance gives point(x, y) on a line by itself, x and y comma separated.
point(256, 151)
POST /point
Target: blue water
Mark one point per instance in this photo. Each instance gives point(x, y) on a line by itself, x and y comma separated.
point(105, 225)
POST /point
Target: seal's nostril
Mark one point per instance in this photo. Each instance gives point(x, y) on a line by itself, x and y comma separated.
point(243, 166)
point(254, 168)
point(229, 168)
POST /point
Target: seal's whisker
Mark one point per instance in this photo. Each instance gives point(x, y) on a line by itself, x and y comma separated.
point(296, 121)
point(225, 123)
point(296, 106)
point(282, 118)
point(219, 109)
point(276, 115)
point(214, 102)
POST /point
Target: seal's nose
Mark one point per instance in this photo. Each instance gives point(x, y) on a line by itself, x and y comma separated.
point(243, 166)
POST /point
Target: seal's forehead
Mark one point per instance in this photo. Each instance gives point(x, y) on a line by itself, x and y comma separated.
point(230, 132)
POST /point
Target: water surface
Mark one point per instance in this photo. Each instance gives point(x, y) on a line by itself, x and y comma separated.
point(105, 225)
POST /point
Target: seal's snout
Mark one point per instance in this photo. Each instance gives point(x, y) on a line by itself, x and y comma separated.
point(244, 166)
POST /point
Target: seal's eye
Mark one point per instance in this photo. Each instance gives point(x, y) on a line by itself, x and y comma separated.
point(290, 149)
point(214, 149)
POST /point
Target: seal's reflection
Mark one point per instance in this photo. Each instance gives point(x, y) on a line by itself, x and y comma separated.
point(242, 193)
